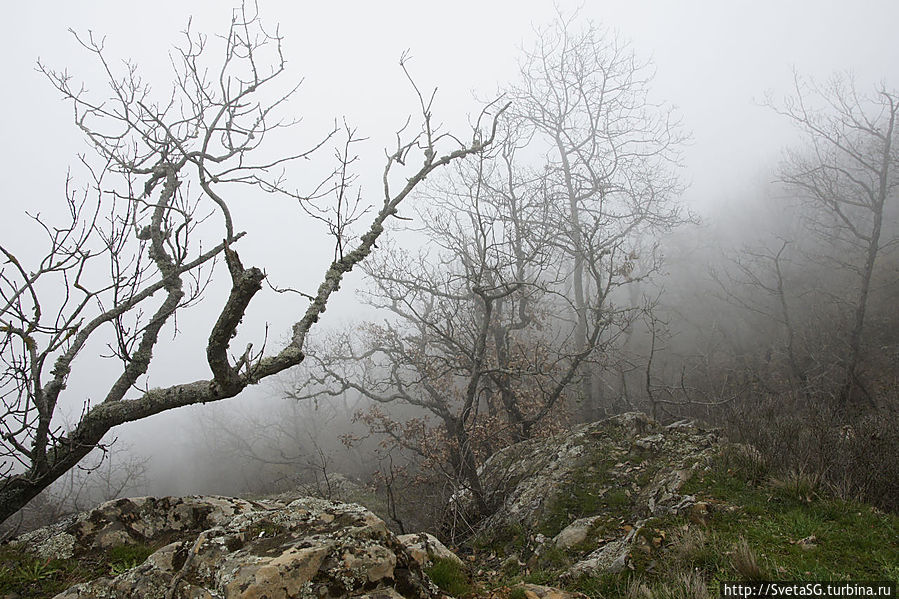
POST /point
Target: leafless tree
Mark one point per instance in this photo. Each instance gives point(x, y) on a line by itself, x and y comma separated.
point(532, 250)
point(131, 256)
point(479, 332)
point(459, 342)
point(847, 175)
point(608, 155)
point(759, 283)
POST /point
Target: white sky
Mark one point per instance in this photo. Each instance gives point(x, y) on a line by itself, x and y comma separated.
point(714, 58)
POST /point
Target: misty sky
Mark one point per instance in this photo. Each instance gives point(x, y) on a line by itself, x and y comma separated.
point(714, 60)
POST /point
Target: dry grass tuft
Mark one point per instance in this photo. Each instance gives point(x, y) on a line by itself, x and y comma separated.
point(746, 562)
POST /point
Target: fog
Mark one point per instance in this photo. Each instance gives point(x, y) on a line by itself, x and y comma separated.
point(717, 66)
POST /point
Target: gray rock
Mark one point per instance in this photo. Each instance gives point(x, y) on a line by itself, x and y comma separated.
point(217, 547)
point(629, 466)
point(539, 591)
point(530, 475)
point(610, 558)
point(425, 547)
point(650, 442)
point(575, 533)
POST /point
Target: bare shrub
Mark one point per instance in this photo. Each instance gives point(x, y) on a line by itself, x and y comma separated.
point(814, 445)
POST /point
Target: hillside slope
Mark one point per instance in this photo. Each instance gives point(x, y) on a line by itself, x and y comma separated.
point(624, 507)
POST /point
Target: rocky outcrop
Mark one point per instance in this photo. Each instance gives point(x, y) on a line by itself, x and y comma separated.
point(133, 521)
point(597, 485)
point(589, 495)
point(216, 547)
point(632, 451)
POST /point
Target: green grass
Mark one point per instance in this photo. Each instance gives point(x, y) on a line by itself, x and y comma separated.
point(449, 576)
point(591, 490)
point(851, 540)
point(124, 557)
point(33, 578)
point(517, 593)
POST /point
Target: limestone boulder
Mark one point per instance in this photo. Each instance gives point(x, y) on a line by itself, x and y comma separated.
point(227, 548)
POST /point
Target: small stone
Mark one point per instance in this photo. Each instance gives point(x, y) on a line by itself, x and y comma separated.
point(650, 442)
point(425, 547)
point(575, 533)
point(537, 591)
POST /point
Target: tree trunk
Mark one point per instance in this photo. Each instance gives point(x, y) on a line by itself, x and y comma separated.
point(589, 407)
point(853, 386)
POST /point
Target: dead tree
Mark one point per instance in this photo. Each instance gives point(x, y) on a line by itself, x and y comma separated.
point(758, 281)
point(132, 255)
point(609, 151)
point(477, 331)
point(848, 176)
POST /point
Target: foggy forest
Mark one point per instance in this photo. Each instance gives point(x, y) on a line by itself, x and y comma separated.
point(218, 283)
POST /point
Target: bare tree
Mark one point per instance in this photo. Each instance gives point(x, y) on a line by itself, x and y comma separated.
point(532, 251)
point(459, 342)
point(759, 282)
point(847, 174)
point(608, 149)
point(131, 256)
point(478, 333)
